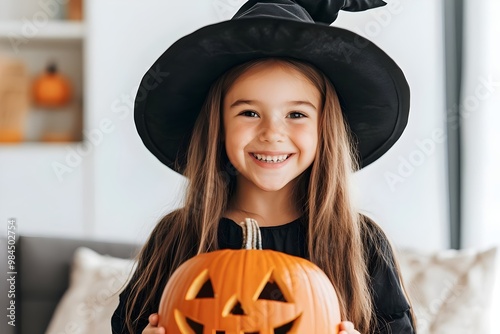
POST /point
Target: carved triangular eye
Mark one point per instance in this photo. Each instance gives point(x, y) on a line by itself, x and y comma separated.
point(272, 291)
point(206, 290)
point(201, 287)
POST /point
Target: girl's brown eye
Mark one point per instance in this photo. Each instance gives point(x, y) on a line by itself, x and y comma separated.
point(249, 113)
point(296, 114)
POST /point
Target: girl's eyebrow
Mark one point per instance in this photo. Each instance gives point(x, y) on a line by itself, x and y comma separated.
point(302, 103)
point(240, 102)
point(292, 103)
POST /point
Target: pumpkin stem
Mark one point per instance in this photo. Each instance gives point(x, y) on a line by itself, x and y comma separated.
point(52, 68)
point(252, 239)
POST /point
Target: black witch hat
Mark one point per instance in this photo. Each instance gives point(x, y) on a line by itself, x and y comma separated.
point(372, 89)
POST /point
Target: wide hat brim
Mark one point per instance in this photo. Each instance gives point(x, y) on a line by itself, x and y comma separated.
point(372, 89)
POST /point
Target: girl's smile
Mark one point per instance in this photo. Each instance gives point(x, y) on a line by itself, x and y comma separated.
point(270, 118)
point(271, 159)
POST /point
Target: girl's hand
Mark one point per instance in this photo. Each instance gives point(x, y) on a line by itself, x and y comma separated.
point(152, 327)
point(347, 327)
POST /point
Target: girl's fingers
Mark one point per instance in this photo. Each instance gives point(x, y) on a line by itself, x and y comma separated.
point(347, 327)
point(152, 327)
point(153, 319)
point(153, 330)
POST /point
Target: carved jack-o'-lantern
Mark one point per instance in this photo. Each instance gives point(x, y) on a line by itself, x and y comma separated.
point(249, 291)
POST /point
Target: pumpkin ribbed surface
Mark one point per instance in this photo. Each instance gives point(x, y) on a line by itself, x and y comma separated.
point(249, 291)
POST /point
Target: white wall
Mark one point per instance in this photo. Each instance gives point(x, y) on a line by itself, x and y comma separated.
point(121, 190)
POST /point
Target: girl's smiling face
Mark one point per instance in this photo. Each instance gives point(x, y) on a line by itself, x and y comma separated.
point(270, 118)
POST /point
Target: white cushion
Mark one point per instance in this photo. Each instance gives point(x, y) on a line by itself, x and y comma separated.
point(450, 290)
point(92, 296)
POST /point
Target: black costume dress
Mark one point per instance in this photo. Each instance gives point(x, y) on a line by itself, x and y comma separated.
point(391, 306)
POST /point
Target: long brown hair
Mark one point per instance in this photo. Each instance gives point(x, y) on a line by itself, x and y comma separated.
point(321, 194)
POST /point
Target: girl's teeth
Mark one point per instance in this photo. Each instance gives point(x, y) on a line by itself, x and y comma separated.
point(271, 159)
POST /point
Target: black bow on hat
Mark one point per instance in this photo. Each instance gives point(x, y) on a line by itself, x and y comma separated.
point(319, 11)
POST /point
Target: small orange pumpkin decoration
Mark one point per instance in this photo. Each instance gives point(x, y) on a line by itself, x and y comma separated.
point(51, 89)
point(249, 291)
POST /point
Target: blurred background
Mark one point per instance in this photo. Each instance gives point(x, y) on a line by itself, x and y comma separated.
point(72, 164)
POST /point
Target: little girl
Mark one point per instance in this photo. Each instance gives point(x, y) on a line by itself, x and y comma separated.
point(268, 115)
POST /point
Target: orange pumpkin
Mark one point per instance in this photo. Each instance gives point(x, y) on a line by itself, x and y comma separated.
point(249, 291)
point(51, 89)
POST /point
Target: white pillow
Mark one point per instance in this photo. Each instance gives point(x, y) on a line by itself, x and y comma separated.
point(450, 290)
point(92, 295)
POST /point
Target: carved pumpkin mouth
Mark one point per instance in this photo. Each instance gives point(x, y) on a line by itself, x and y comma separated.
point(198, 328)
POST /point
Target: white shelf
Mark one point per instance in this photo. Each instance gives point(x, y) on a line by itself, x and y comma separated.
point(56, 30)
point(57, 41)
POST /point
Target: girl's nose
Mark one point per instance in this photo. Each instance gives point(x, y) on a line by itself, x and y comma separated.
point(272, 130)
